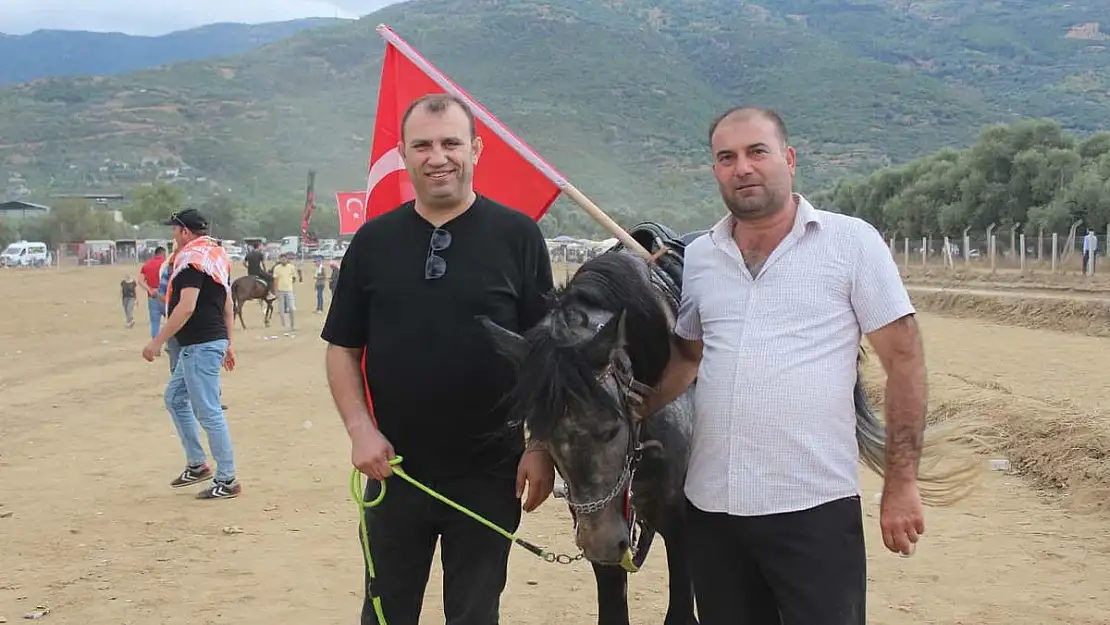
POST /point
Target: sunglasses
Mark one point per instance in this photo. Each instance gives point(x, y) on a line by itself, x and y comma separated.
point(435, 266)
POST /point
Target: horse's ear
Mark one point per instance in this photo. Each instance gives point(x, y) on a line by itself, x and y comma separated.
point(609, 338)
point(512, 346)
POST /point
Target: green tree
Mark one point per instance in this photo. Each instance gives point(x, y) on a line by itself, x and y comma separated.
point(154, 203)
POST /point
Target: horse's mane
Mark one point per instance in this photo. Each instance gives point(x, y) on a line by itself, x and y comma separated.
point(555, 377)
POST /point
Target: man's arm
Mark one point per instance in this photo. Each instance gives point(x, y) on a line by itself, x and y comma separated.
point(149, 291)
point(346, 331)
point(181, 314)
point(681, 371)
point(898, 345)
point(229, 315)
point(686, 351)
point(886, 316)
point(344, 370)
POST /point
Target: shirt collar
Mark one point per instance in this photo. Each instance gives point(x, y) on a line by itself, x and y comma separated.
point(806, 214)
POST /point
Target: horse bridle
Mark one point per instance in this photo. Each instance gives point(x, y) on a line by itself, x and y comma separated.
point(632, 394)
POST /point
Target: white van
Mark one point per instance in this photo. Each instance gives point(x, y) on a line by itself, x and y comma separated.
point(25, 254)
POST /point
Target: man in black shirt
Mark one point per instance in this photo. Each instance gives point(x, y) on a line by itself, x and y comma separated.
point(412, 283)
point(200, 320)
point(255, 261)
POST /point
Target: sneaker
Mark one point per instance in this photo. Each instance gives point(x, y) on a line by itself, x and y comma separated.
point(221, 490)
point(192, 475)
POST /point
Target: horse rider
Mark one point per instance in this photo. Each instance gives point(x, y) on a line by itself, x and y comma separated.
point(255, 262)
point(776, 298)
point(413, 280)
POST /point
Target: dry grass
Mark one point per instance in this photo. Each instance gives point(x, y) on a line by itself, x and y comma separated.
point(1061, 449)
point(1090, 317)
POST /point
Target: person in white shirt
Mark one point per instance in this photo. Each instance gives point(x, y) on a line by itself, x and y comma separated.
point(776, 298)
point(1090, 252)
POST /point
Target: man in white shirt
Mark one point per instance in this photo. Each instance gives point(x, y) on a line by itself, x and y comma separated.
point(1090, 252)
point(775, 300)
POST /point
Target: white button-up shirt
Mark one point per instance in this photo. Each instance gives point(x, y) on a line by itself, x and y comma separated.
point(774, 427)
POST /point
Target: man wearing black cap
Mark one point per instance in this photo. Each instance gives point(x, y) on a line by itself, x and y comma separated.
point(200, 319)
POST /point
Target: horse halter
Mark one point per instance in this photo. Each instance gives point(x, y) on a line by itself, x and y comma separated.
point(631, 394)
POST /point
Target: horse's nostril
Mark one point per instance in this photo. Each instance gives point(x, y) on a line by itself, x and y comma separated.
point(623, 546)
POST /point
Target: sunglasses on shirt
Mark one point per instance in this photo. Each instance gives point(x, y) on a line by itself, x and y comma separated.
point(435, 265)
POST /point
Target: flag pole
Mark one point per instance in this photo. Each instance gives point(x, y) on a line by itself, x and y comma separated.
point(543, 166)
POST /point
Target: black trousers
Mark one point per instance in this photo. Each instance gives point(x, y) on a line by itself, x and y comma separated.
point(403, 531)
point(798, 568)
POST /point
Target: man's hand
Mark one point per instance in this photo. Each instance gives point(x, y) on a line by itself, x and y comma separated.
point(537, 470)
point(901, 515)
point(371, 452)
point(229, 359)
point(152, 350)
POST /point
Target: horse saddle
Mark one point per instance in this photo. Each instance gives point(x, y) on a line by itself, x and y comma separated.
point(261, 281)
point(669, 249)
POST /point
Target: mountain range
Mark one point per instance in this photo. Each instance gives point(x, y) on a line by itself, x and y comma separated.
point(617, 94)
point(57, 53)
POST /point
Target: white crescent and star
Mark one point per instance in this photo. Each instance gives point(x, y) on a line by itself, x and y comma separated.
point(386, 164)
point(354, 205)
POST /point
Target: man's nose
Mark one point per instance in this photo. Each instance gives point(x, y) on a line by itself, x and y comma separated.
point(742, 167)
point(437, 156)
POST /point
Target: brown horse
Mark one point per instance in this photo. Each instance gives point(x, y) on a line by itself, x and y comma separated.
point(246, 288)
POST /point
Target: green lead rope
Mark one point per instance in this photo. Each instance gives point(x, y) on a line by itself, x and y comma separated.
point(357, 495)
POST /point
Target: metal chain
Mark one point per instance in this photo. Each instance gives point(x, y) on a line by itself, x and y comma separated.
point(599, 504)
point(563, 558)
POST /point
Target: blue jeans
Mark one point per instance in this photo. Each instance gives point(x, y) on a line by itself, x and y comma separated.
point(319, 297)
point(173, 350)
point(156, 310)
point(195, 384)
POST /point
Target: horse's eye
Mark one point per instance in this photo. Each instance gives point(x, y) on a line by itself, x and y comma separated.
point(608, 434)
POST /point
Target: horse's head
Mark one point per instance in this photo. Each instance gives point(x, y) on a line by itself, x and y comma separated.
point(575, 393)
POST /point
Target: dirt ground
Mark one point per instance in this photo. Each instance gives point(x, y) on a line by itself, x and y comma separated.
point(90, 528)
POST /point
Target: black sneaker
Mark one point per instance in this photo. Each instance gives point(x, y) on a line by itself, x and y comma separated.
point(221, 490)
point(192, 475)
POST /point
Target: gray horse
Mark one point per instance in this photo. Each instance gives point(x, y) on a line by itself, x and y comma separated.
point(581, 371)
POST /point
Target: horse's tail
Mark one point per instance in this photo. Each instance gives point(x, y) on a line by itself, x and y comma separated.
point(939, 485)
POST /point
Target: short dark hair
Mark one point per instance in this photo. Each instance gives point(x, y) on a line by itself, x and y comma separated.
point(159, 250)
point(438, 103)
point(766, 113)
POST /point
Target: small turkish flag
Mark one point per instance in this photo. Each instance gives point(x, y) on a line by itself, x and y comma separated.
point(509, 172)
point(352, 210)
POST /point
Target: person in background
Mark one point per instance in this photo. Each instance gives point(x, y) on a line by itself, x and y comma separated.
point(200, 317)
point(334, 278)
point(1090, 249)
point(321, 282)
point(128, 288)
point(255, 262)
point(172, 347)
point(285, 274)
point(149, 274)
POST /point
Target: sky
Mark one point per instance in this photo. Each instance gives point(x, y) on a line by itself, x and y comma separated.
point(157, 17)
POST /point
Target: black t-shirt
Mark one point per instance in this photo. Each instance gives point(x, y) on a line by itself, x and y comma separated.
point(207, 323)
point(436, 382)
point(127, 288)
point(254, 260)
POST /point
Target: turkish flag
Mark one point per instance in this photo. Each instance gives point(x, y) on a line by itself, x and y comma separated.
point(509, 172)
point(352, 210)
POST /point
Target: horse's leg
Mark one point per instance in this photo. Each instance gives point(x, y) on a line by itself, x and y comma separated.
point(612, 595)
point(680, 603)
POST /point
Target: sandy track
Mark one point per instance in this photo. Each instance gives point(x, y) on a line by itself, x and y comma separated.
point(86, 452)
